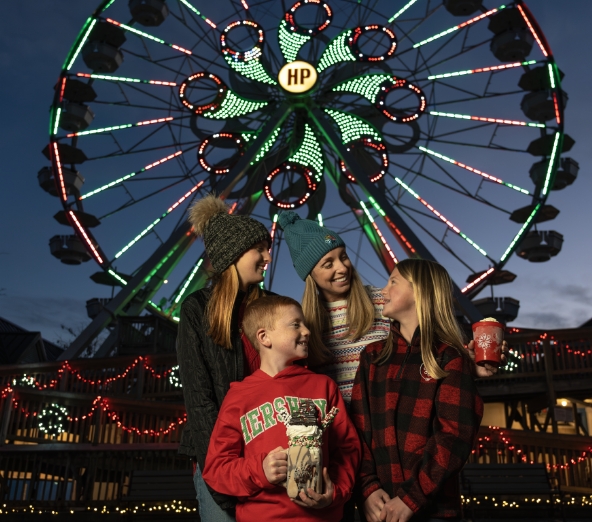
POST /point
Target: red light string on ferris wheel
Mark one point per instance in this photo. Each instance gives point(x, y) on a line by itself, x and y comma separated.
point(126, 177)
point(478, 280)
point(149, 36)
point(491, 68)
point(532, 30)
point(86, 237)
point(459, 26)
point(125, 79)
point(158, 220)
point(120, 127)
point(62, 184)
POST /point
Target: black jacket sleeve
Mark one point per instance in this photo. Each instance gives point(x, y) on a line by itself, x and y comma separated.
point(198, 387)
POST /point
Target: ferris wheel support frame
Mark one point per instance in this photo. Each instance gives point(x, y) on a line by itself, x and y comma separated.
point(164, 259)
point(324, 125)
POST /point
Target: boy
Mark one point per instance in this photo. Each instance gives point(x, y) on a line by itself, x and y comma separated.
point(247, 453)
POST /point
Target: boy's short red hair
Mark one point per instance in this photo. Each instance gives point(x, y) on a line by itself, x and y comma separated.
point(262, 313)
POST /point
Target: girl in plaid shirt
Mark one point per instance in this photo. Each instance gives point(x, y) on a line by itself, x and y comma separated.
point(415, 403)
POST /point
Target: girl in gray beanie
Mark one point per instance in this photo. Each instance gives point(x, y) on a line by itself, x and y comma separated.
point(212, 352)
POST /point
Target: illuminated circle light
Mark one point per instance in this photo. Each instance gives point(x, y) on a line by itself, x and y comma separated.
point(250, 54)
point(174, 377)
point(212, 140)
point(297, 77)
point(400, 84)
point(369, 144)
point(354, 43)
point(51, 419)
point(305, 172)
point(214, 104)
point(305, 31)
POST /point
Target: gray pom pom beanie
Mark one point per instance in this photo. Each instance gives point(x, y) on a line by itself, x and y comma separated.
point(307, 240)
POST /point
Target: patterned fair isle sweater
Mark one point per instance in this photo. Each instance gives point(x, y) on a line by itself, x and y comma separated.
point(346, 352)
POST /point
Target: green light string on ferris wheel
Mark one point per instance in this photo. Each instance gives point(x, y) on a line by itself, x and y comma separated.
point(204, 18)
point(128, 176)
point(148, 36)
point(320, 219)
point(158, 220)
point(448, 223)
point(401, 11)
point(233, 106)
point(499, 121)
point(85, 31)
point(491, 68)
point(188, 281)
point(337, 51)
point(56, 120)
point(310, 154)
point(378, 232)
point(162, 262)
point(551, 164)
point(124, 79)
point(266, 147)
point(459, 26)
point(522, 230)
point(290, 42)
point(252, 69)
point(488, 177)
point(352, 127)
point(120, 127)
point(367, 86)
point(392, 226)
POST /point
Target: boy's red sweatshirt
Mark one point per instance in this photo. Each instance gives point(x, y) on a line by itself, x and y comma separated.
point(248, 428)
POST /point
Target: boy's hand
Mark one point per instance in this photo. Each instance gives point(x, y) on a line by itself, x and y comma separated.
point(313, 500)
point(487, 370)
point(275, 465)
point(396, 510)
point(374, 504)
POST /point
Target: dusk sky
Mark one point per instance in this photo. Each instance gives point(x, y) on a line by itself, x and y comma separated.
point(40, 293)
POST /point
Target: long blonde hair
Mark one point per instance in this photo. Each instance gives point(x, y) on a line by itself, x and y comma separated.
point(432, 290)
point(360, 317)
point(225, 287)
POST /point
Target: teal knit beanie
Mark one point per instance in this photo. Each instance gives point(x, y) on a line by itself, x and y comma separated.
point(307, 240)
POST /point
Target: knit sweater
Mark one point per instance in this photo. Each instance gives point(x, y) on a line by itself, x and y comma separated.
point(416, 432)
point(250, 425)
point(346, 352)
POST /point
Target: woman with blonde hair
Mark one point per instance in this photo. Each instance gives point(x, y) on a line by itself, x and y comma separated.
point(212, 352)
point(415, 403)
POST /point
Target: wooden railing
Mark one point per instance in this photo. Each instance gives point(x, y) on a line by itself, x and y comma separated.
point(568, 457)
point(70, 475)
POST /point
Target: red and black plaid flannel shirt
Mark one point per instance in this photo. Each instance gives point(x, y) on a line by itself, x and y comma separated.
point(416, 432)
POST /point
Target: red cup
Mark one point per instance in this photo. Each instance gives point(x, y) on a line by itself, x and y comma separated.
point(488, 337)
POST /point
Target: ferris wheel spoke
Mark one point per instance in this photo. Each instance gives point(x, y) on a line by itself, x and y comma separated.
point(104, 77)
point(401, 11)
point(158, 220)
point(455, 28)
point(484, 175)
point(408, 211)
point(478, 70)
point(148, 36)
point(120, 127)
point(192, 8)
point(131, 175)
point(497, 121)
point(477, 145)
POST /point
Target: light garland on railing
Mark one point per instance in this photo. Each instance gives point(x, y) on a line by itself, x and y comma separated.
point(520, 454)
point(51, 418)
point(28, 380)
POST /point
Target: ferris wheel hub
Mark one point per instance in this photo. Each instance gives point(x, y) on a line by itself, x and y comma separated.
point(297, 77)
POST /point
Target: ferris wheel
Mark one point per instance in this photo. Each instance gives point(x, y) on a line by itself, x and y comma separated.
point(422, 128)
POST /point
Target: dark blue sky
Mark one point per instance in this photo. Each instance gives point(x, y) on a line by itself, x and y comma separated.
point(40, 293)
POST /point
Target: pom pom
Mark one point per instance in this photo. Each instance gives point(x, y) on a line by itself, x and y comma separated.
point(203, 210)
point(287, 218)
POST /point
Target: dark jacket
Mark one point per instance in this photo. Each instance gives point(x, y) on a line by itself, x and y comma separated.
point(416, 432)
point(206, 370)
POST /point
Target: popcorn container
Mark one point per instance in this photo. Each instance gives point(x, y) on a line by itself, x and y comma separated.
point(488, 336)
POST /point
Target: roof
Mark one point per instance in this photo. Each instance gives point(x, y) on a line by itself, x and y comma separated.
point(18, 345)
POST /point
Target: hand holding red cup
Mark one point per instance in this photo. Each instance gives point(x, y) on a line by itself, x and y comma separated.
point(488, 335)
